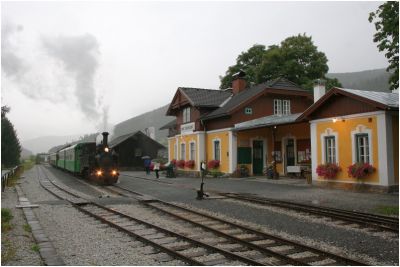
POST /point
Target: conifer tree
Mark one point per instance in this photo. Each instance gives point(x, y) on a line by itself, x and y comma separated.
point(10, 146)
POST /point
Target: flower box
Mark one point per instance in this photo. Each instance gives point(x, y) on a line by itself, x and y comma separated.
point(213, 164)
point(189, 164)
point(328, 170)
point(360, 170)
point(180, 163)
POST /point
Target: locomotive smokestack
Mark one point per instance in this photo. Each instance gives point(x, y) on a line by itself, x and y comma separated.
point(105, 139)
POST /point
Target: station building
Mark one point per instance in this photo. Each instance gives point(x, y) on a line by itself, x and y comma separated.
point(350, 126)
point(279, 121)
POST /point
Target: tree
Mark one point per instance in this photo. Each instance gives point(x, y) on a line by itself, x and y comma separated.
point(387, 37)
point(248, 62)
point(296, 58)
point(10, 146)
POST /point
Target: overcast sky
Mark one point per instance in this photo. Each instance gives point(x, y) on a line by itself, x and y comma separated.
point(67, 67)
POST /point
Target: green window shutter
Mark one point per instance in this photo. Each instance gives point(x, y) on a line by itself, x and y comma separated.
point(244, 155)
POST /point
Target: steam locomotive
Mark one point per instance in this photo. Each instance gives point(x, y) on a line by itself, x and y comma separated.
point(92, 160)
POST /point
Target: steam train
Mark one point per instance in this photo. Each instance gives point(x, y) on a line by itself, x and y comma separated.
point(91, 160)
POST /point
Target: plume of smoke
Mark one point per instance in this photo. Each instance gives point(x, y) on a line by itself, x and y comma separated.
point(12, 65)
point(79, 56)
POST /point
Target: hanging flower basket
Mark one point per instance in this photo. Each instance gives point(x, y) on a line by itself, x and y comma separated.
point(180, 163)
point(213, 164)
point(328, 170)
point(189, 164)
point(360, 170)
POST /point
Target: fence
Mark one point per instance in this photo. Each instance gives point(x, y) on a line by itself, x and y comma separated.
point(5, 175)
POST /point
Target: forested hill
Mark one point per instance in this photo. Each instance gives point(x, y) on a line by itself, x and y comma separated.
point(369, 80)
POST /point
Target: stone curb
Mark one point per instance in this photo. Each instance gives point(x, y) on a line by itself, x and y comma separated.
point(46, 248)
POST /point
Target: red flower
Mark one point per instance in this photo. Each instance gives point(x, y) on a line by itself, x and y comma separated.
point(213, 164)
point(173, 162)
point(328, 170)
point(360, 170)
point(189, 164)
point(180, 164)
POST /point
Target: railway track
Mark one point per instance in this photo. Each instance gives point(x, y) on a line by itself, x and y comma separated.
point(178, 246)
point(366, 220)
point(246, 241)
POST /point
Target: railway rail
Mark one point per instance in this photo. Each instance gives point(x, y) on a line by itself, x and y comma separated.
point(159, 238)
point(233, 244)
point(247, 241)
point(367, 220)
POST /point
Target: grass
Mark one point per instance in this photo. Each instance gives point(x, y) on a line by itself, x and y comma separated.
point(27, 228)
point(388, 210)
point(6, 217)
point(8, 251)
point(35, 248)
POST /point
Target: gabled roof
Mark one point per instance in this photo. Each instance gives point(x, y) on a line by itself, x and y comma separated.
point(199, 97)
point(266, 121)
point(380, 100)
point(254, 92)
point(388, 99)
point(205, 97)
point(115, 142)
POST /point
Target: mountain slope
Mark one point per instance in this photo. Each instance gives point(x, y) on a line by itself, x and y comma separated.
point(43, 144)
point(155, 118)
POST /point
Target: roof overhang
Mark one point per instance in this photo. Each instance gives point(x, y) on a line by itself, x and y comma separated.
point(267, 121)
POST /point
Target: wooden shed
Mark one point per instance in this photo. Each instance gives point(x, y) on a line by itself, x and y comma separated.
point(130, 149)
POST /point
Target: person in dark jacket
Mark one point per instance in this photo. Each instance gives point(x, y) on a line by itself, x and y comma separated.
point(147, 163)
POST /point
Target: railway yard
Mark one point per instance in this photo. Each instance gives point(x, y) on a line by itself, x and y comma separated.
point(143, 220)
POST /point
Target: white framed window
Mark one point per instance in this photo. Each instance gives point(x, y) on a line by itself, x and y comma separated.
point(186, 115)
point(285, 107)
point(362, 148)
point(183, 151)
point(192, 149)
point(361, 139)
point(248, 111)
point(330, 149)
point(217, 149)
point(329, 146)
point(175, 151)
point(277, 107)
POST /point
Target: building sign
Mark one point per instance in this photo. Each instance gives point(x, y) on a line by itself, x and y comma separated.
point(187, 128)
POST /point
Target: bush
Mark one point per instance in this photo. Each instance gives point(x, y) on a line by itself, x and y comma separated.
point(328, 170)
point(360, 170)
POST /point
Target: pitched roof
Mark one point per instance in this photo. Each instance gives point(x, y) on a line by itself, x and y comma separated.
point(115, 142)
point(388, 99)
point(266, 121)
point(381, 100)
point(205, 97)
point(243, 96)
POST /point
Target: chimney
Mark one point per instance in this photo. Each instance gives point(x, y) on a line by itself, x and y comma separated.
point(239, 82)
point(319, 89)
point(105, 139)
